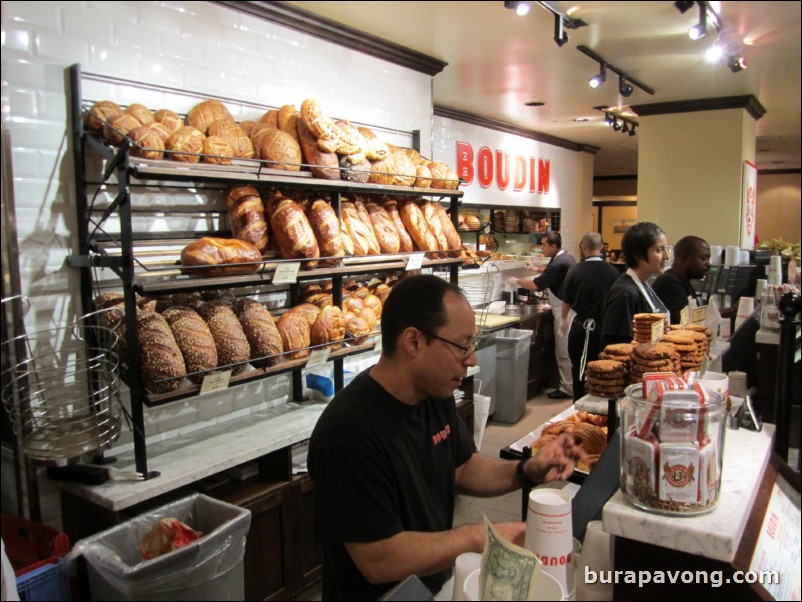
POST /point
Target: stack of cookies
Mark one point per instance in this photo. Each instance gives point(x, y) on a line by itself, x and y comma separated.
point(690, 353)
point(660, 357)
point(606, 378)
point(700, 329)
point(642, 326)
point(618, 352)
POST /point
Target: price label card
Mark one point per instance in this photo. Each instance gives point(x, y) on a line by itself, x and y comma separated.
point(215, 382)
point(700, 314)
point(318, 356)
point(685, 315)
point(287, 273)
point(658, 328)
point(415, 261)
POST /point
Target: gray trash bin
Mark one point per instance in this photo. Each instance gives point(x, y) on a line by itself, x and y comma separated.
point(512, 370)
point(209, 568)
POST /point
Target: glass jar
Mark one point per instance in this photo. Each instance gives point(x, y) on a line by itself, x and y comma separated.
point(671, 452)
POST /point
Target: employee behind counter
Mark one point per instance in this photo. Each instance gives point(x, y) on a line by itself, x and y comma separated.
point(389, 452)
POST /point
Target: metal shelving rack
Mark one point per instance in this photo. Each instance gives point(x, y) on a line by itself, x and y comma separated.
point(145, 262)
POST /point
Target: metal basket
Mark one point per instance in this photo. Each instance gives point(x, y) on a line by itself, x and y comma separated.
point(62, 395)
point(479, 291)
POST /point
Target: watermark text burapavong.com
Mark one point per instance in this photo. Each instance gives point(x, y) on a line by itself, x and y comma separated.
point(713, 578)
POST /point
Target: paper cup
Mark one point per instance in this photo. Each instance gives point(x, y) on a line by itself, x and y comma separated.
point(716, 381)
point(470, 586)
point(597, 555)
point(746, 305)
point(732, 256)
point(715, 254)
point(775, 276)
point(737, 383)
point(744, 258)
point(549, 534)
point(466, 563)
point(546, 588)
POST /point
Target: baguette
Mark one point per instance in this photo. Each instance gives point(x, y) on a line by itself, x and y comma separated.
point(384, 229)
point(415, 224)
point(219, 257)
point(194, 339)
point(406, 246)
point(452, 236)
point(233, 349)
point(246, 214)
point(363, 239)
point(160, 360)
point(364, 216)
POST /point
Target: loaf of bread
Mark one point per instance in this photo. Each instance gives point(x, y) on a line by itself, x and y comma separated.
point(217, 150)
point(450, 232)
point(348, 242)
point(185, 145)
point(146, 143)
point(169, 119)
point(415, 224)
point(443, 177)
point(424, 176)
point(383, 228)
point(352, 171)
point(356, 327)
point(295, 334)
point(118, 126)
point(204, 114)
point(241, 145)
point(321, 300)
point(233, 349)
point(433, 222)
point(219, 257)
point(357, 230)
point(141, 112)
point(246, 215)
point(328, 327)
point(372, 302)
point(247, 127)
point(353, 304)
point(326, 228)
point(193, 300)
point(382, 292)
point(367, 314)
point(280, 150)
point(310, 311)
point(405, 246)
point(382, 171)
point(194, 339)
point(405, 170)
point(322, 164)
point(161, 130)
point(364, 216)
point(100, 113)
point(292, 232)
point(270, 118)
point(261, 331)
point(160, 361)
point(288, 117)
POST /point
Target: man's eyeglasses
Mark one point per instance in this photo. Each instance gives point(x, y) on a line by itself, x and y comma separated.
point(467, 351)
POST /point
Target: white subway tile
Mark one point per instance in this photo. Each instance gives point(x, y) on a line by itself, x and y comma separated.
point(18, 39)
point(214, 57)
point(42, 15)
point(184, 46)
point(170, 416)
point(203, 77)
point(154, 15)
point(61, 47)
point(122, 12)
point(236, 86)
point(89, 25)
point(112, 60)
point(237, 39)
point(140, 37)
point(212, 408)
point(22, 102)
point(161, 70)
point(195, 426)
point(26, 73)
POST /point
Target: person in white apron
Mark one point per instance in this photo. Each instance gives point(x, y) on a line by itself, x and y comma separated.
point(691, 262)
point(551, 280)
point(645, 254)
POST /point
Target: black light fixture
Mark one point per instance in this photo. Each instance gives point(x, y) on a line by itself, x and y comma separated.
point(520, 8)
point(616, 125)
point(598, 79)
point(624, 88)
point(562, 21)
point(625, 81)
point(632, 129)
point(700, 29)
point(736, 63)
point(683, 6)
point(619, 123)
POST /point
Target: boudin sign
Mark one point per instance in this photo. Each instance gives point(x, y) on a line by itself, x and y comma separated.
point(507, 171)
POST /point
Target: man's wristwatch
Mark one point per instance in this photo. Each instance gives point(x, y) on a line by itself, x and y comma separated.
point(522, 478)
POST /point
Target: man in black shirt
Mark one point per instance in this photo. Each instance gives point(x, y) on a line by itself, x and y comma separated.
point(691, 261)
point(389, 453)
point(584, 290)
point(552, 280)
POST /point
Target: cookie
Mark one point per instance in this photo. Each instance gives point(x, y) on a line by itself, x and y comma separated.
point(649, 317)
point(678, 339)
point(609, 382)
point(602, 366)
point(655, 352)
point(618, 349)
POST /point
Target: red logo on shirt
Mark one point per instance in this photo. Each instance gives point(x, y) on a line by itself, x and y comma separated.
point(442, 435)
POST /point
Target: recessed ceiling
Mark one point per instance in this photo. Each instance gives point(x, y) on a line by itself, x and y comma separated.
point(498, 61)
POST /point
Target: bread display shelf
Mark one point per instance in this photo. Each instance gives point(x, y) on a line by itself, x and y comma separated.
point(254, 374)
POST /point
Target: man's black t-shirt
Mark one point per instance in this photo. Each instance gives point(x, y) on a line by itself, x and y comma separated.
point(381, 467)
point(674, 292)
point(554, 275)
point(586, 286)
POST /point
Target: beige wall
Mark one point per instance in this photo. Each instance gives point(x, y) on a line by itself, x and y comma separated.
point(690, 172)
point(609, 216)
point(584, 205)
point(778, 206)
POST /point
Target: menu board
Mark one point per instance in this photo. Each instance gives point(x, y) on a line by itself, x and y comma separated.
point(778, 546)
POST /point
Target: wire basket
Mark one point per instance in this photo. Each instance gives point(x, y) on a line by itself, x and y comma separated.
point(62, 395)
point(479, 291)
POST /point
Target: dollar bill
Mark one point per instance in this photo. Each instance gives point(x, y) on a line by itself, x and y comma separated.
point(509, 572)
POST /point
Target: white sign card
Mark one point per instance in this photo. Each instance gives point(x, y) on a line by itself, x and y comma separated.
point(287, 273)
point(415, 261)
point(215, 382)
point(318, 356)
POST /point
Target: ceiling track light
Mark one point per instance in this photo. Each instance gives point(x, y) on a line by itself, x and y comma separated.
point(619, 123)
point(598, 79)
point(707, 16)
point(624, 88)
point(520, 8)
point(736, 63)
point(625, 82)
point(562, 21)
point(683, 6)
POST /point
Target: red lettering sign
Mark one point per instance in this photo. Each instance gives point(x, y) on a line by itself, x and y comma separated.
point(502, 169)
point(520, 172)
point(535, 170)
point(465, 162)
point(484, 165)
point(543, 169)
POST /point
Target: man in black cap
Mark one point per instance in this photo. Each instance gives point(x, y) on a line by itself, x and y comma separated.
point(691, 261)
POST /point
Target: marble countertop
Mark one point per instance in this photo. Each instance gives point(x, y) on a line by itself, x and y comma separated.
point(194, 456)
point(714, 535)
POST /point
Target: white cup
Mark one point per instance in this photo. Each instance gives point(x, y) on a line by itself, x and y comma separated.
point(546, 588)
point(746, 305)
point(715, 254)
point(732, 255)
point(716, 381)
point(597, 555)
point(466, 563)
point(549, 534)
point(775, 276)
point(737, 383)
point(744, 258)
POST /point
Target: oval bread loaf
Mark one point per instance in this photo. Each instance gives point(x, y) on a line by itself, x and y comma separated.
point(329, 327)
point(185, 145)
point(233, 349)
point(406, 246)
point(194, 339)
point(204, 114)
point(219, 257)
point(246, 215)
point(261, 332)
point(292, 232)
point(415, 224)
point(161, 363)
point(384, 229)
point(295, 334)
point(326, 228)
point(100, 113)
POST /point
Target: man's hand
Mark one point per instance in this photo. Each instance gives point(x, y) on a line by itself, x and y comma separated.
point(555, 460)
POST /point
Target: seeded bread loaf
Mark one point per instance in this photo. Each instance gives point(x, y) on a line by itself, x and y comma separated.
point(161, 363)
point(194, 339)
point(233, 349)
point(261, 331)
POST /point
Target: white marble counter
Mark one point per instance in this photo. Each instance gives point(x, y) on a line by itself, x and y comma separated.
point(202, 453)
point(715, 535)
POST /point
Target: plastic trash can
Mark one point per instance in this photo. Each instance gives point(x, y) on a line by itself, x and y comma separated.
point(210, 568)
point(512, 368)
